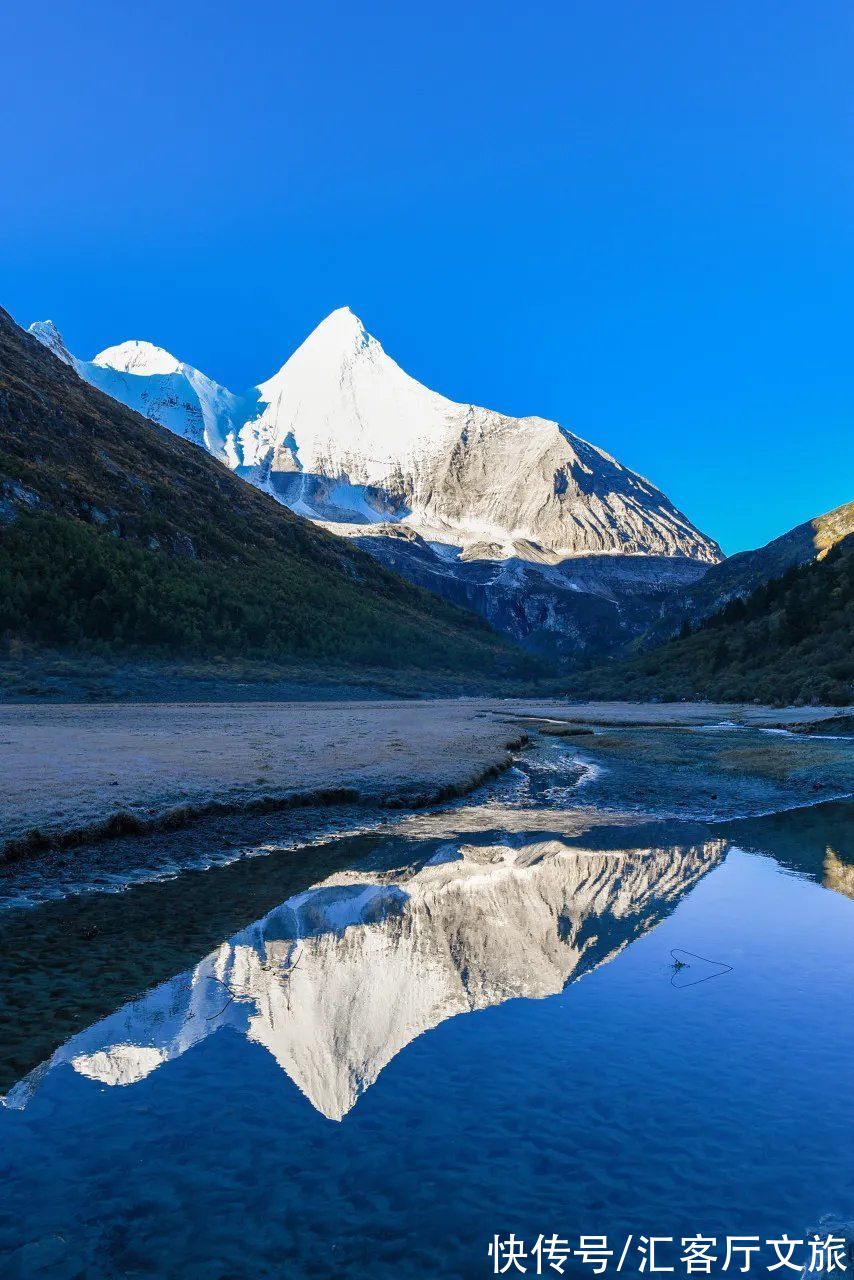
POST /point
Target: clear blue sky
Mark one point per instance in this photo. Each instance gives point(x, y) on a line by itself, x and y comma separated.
point(634, 217)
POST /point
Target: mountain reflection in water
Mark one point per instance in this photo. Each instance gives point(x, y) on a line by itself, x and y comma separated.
point(339, 979)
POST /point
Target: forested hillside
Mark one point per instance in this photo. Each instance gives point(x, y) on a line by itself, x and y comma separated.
point(790, 640)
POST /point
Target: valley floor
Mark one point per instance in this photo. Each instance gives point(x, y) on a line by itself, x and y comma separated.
point(75, 771)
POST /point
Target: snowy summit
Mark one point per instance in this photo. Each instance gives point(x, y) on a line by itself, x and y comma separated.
point(343, 435)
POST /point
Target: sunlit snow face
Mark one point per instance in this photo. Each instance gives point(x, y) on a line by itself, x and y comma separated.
point(142, 358)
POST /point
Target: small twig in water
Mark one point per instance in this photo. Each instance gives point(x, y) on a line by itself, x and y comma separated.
point(678, 965)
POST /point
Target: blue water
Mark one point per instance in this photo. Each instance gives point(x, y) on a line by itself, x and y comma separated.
point(636, 1098)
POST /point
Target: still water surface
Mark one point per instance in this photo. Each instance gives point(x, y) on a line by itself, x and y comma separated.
point(595, 998)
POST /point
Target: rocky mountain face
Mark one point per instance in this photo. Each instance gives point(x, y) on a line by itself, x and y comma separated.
point(482, 508)
point(582, 605)
point(341, 412)
point(338, 980)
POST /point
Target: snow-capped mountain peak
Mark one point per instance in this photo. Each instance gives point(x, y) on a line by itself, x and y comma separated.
point(337, 340)
point(138, 357)
point(161, 387)
point(434, 488)
point(49, 336)
point(341, 408)
point(345, 435)
point(341, 329)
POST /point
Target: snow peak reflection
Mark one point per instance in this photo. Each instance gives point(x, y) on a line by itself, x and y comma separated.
point(336, 981)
